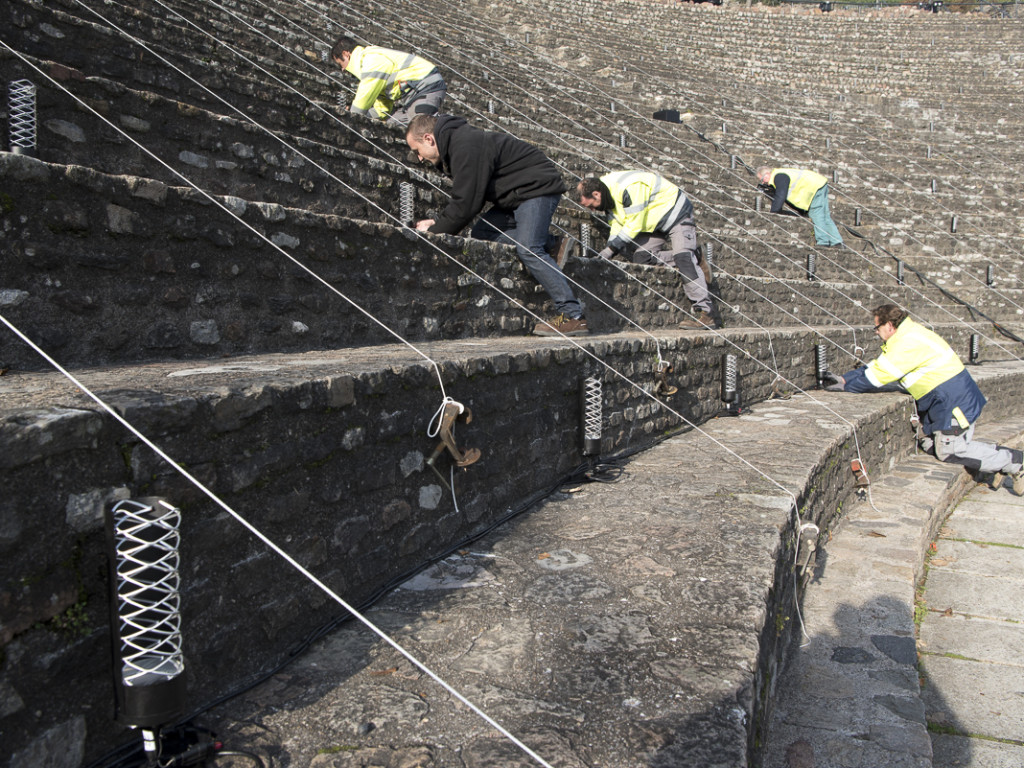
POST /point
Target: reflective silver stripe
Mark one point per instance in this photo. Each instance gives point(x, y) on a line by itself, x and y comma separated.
point(389, 77)
point(915, 376)
point(670, 218)
point(624, 181)
point(427, 84)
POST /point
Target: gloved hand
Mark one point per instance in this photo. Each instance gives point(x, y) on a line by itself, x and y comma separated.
point(607, 253)
point(832, 382)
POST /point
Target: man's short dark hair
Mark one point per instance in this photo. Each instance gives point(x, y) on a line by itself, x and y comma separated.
point(890, 313)
point(421, 125)
point(345, 44)
point(592, 184)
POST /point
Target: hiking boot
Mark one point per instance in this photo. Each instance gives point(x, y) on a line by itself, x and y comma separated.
point(1018, 482)
point(562, 326)
point(995, 480)
point(565, 247)
point(703, 322)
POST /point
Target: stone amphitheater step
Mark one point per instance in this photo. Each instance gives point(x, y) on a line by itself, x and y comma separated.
point(226, 154)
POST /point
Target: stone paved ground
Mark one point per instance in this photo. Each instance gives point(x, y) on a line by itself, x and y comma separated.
point(972, 637)
point(851, 695)
point(617, 624)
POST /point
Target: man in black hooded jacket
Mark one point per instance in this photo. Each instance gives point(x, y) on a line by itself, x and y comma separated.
point(524, 187)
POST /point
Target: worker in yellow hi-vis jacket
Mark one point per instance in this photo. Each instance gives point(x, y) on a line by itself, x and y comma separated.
point(806, 191)
point(393, 86)
point(949, 401)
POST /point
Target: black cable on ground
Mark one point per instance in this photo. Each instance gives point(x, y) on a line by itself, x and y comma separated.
point(951, 296)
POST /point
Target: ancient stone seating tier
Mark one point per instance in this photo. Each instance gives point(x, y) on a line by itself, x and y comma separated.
point(207, 238)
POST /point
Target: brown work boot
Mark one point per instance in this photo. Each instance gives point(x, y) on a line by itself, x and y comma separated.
point(703, 322)
point(1018, 483)
point(564, 248)
point(562, 326)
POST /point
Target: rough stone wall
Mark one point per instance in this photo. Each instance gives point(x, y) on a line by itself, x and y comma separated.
point(329, 464)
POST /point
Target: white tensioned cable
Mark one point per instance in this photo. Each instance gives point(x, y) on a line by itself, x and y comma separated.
point(862, 130)
point(354, 191)
point(747, 354)
point(570, 340)
point(621, 269)
point(856, 347)
point(635, 278)
point(630, 276)
point(180, 468)
point(270, 543)
point(857, 278)
point(220, 204)
point(773, 369)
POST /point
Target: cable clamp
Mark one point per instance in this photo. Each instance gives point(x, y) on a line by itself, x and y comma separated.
point(661, 386)
point(450, 412)
point(860, 474)
point(807, 543)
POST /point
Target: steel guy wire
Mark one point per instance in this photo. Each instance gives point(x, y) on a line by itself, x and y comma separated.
point(611, 370)
point(572, 341)
point(631, 276)
point(467, 269)
point(673, 303)
point(856, 277)
point(355, 192)
point(607, 367)
point(270, 544)
point(669, 134)
point(223, 207)
point(777, 374)
point(634, 277)
point(839, 265)
point(698, 429)
point(784, 256)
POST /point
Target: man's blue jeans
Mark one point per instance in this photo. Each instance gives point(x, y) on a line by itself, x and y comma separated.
point(526, 228)
point(825, 230)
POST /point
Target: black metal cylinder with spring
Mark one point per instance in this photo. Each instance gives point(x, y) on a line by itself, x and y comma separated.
point(590, 415)
point(820, 364)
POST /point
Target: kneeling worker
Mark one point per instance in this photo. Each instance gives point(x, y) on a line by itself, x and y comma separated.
point(948, 399)
point(644, 209)
point(393, 86)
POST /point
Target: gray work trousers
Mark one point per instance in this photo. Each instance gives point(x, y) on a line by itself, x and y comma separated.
point(682, 255)
point(977, 455)
point(427, 104)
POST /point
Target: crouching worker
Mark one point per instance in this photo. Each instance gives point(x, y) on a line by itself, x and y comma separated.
point(651, 220)
point(393, 85)
point(524, 187)
point(948, 399)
